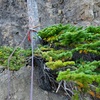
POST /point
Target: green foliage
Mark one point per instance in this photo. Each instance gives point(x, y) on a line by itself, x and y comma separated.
point(17, 60)
point(56, 55)
point(50, 31)
point(93, 29)
point(68, 34)
point(84, 74)
point(58, 64)
point(88, 67)
point(62, 41)
point(76, 96)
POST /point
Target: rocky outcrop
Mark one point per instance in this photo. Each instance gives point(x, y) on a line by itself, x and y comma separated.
point(20, 86)
point(13, 22)
point(80, 12)
point(14, 19)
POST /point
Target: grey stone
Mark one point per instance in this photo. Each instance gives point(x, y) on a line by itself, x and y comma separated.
point(50, 12)
point(13, 17)
point(20, 86)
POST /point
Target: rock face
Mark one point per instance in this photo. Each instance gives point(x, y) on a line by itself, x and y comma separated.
point(14, 25)
point(20, 86)
point(13, 22)
point(81, 12)
point(14, 19)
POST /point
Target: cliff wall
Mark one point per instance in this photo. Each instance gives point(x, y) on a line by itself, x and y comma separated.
point(14, 25)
